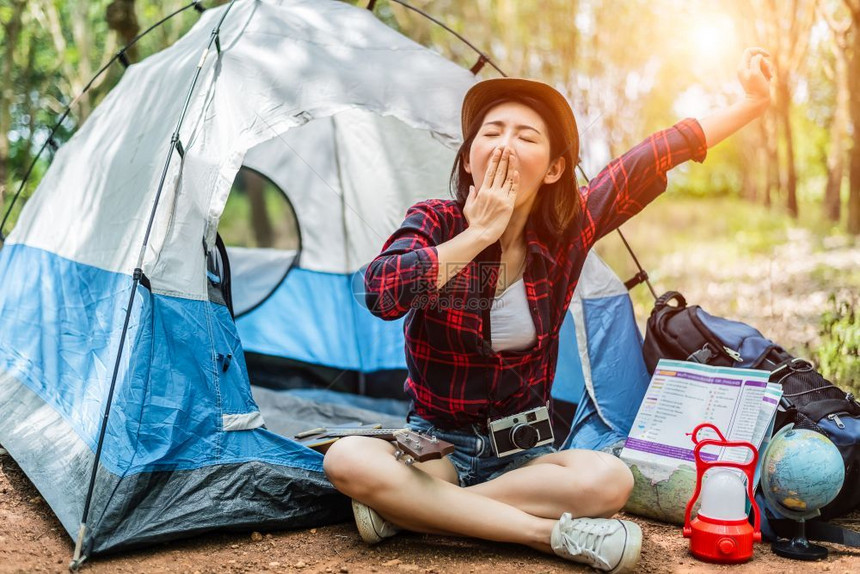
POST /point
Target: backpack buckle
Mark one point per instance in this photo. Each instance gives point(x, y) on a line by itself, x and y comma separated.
point(703, 355)
point(735, 355)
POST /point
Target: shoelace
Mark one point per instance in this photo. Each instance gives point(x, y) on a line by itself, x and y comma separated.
point(585, 539)
point(382, 527)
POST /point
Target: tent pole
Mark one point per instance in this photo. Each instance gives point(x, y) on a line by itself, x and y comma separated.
point(642, 275)
point(76, 559)
point(483, 56)
point(175, 144)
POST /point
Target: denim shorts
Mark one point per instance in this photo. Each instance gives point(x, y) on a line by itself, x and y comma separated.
point(473, 457)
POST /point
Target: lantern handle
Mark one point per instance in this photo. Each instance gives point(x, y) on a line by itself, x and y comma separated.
point(695, 434)
point(702, 466)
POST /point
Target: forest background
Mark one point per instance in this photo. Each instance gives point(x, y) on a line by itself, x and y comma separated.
point(765, 231)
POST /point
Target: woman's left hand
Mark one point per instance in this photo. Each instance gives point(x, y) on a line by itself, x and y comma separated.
point(754, 73)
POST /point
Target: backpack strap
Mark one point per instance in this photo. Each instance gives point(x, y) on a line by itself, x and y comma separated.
point(828, 532)
point(817, 530)
point(817, 410)
point(773, 527)
point(668, 296)
point(773, 358)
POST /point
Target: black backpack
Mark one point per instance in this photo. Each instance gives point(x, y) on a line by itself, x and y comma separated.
point(688, 333)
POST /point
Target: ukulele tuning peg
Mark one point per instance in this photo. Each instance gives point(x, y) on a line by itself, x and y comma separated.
point(433, 439)
point(408, 461)
point(398, 454)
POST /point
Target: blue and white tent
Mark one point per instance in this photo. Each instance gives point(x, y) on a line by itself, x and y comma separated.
point(355, 123)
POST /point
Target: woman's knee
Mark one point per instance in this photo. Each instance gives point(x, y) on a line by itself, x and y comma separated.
point(621, 479)
point(610, 481)
point(349, 465)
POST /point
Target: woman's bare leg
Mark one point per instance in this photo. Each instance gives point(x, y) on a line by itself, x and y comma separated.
point(365, 469)
point(582, 482)
point(521, 506)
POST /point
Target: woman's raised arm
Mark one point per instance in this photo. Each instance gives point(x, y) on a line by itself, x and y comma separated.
point(754, 74)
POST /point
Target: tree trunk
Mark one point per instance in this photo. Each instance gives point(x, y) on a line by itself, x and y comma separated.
point(260, 224)
point(122, 19)
point(750, 180)
point(30, 106)
point(854, 176)
point(769, 135)
point(82, 35)
point(784, 110)
point(836, 153)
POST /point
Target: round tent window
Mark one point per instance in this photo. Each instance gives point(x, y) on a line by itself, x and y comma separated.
point(261, 232)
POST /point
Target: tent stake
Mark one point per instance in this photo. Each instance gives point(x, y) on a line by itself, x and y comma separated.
point(76, 562)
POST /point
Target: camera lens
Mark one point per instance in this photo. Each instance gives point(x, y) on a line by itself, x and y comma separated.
point(524, 436)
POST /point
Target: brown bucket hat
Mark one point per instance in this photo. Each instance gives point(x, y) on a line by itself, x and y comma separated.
point(494, 89)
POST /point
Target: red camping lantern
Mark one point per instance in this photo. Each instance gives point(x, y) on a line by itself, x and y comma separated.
point(721, 531)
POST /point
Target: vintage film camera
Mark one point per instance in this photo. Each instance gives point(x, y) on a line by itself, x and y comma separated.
point(522, 431)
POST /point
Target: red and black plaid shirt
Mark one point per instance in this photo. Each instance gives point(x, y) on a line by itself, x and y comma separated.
point(455, 378)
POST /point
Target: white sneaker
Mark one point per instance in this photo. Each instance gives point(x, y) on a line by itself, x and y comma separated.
point(371, 526)
point(607, 544)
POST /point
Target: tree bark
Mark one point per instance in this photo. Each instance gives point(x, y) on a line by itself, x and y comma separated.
point(260, 223)
point(836, 152)
point(750, 163)
point(854, 175)
point(769, 134)
point(784, 113)
point(785, 28)
point(30, 106)
point(122, 19)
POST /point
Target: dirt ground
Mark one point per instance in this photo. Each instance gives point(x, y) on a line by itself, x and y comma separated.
point(32, 540)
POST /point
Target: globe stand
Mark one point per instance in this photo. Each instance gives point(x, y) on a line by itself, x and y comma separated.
point(799, 548)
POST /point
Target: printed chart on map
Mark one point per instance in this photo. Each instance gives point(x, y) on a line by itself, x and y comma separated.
point(682, 395)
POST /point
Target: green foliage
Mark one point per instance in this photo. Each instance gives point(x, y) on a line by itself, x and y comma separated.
point(838, 354)
point(719, 176)
point(44, 81)
point(746, 262)
point(238, 226)
point(677, 225)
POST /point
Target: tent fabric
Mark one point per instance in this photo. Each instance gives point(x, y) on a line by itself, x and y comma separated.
point(166, 439)
point(248, 95)
point(355, 123)
point(351, 176)
point(148, 507)
point(259, 271)
point(328, 325)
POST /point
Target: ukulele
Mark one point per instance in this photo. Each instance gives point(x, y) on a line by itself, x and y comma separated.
point(411, 446)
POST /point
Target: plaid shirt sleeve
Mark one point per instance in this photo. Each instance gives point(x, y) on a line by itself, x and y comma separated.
point(403, 276)
point(625, 186)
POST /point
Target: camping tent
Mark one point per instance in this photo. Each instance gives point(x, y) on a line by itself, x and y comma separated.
point(356, 122)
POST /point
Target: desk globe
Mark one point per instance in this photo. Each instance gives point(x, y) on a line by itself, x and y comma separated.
point(802, 471)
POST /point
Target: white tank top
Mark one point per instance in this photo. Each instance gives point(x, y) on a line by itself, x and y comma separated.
point(512, 328)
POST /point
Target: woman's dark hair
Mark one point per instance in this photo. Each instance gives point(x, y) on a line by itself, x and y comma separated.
point(557, 204)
